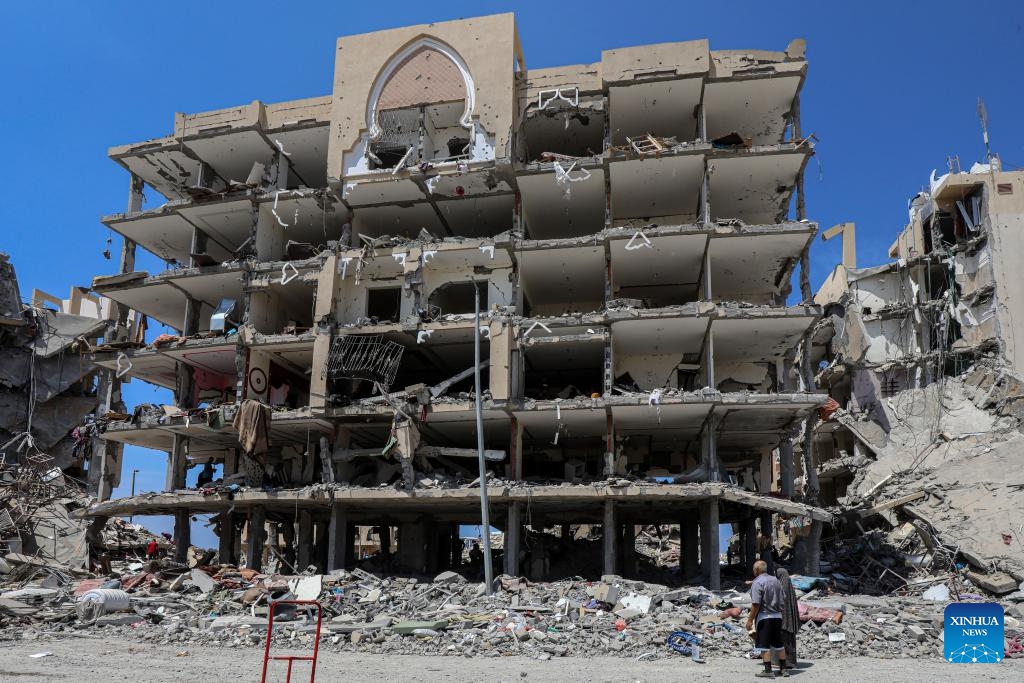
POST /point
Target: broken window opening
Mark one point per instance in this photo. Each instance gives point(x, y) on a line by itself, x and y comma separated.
point(456, 298)
point(562, 129)
point(563, 371)
point(399, 137)
point(662, 295)
point(384, 304)
point(288, 388)
point(420, 110)
point(576, 459)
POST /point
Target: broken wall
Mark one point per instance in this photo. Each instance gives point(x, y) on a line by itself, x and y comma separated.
point(486, 45)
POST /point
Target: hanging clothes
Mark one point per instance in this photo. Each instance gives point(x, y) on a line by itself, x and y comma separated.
point(252, 422)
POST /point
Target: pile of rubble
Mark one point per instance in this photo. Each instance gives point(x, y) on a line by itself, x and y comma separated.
point(168, 603)
point(939, 502)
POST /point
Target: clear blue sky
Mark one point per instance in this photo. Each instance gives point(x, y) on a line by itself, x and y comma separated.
point(891, 93)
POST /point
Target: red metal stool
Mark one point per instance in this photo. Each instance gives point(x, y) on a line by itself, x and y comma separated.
point(291, 659)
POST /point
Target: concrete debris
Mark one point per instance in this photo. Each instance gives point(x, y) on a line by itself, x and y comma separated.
point(226, 606)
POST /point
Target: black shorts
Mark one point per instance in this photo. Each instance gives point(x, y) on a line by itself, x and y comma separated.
point(769, 635)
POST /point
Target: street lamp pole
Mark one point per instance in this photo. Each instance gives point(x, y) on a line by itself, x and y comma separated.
point(131, 518)
point(485, 518)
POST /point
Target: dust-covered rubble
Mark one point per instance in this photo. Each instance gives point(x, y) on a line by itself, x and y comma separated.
point(164, 602)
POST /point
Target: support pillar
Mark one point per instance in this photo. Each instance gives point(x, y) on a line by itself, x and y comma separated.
point(766, 540)
point(182, 535)
point(257, 535)
point(338, 538)
point(176, 464)
point(226, 532)
point(709, 540)
point(512, 534)
point(384, 534)
point(321, 544)
point(689, 548)
point(516, 451)
point(230, 462)
point(813, 567)
point(609, 533)
point(304, 554)
point(288, 553)
point(456, 548)
point(748, 533)
point(629, 550)
point(786, 468)
point(709, 449)
point(351, 552)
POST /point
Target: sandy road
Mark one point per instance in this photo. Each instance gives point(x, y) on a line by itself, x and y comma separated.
point(103, 660)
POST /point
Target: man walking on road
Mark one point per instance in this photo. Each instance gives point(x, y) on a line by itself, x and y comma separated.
point(768, 601)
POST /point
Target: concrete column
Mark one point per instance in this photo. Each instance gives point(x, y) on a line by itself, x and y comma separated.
point(709, 540)
point(288, 552)
point(176, 464)
point(226, 534)
point(182, 535)
point(304, 554)
point(455, 547)
point(257, 534)
point(321, 544)
point(516, 450)
point(384, 534)
point(440, 548)
point(112, 456)
point(813, 567)
point(230, 462)
point(709, 449)
point(512, 536)
point(338, 538)
point(629, 549)
point(351, 556)
point(326, 293)
point(786, 468)
point(689, 547)
point(748, 534)
point(609, 533)
point(272, 547)
point(705, 195)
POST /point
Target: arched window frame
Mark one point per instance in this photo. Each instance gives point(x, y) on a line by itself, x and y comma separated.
point(466, 120)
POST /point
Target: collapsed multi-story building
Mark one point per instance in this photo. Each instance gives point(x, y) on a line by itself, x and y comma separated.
point(49, 395)
point(945, 302)
point(630, 227)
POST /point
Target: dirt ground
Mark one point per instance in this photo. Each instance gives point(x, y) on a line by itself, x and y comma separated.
point(99, 660)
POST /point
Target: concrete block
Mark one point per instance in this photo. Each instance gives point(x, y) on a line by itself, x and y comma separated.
point(203, 581)
point(996, 582)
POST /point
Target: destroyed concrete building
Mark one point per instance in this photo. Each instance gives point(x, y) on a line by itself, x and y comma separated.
point(920, 362)
point(48, 395)
point(949, 298)
point(631, 227)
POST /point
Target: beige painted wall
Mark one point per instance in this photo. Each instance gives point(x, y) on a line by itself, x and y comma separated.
point(486, 44)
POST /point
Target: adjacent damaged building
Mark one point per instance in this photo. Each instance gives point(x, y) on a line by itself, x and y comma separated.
point(49, 396)
point(923, 429)
point(630, 228)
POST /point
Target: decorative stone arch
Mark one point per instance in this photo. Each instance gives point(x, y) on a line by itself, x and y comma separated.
point(399, 60)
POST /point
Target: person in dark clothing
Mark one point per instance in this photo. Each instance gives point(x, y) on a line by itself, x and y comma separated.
point(790, 616)
point(205, 475)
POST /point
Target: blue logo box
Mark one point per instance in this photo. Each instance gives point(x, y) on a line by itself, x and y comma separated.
point(973, 633)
